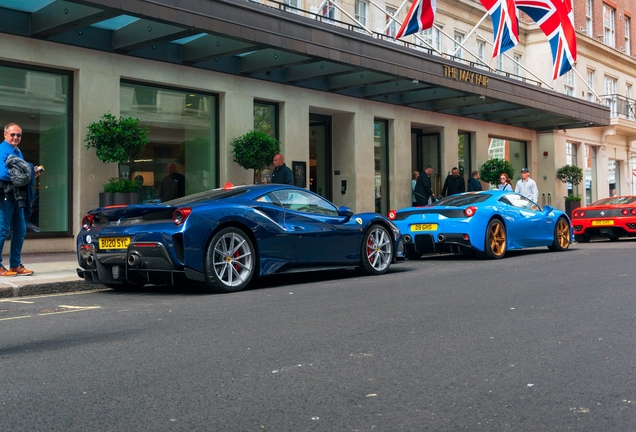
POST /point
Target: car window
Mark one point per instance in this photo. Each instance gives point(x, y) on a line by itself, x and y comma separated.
point(519, 202)
point(304, 201)
point(269, 198)
point(615, 201)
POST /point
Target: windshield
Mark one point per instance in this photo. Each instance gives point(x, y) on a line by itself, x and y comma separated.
point(463, 200)
point(206, 195)
point(615, 201)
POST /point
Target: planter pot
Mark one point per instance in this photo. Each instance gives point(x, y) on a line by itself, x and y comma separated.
point(570, 206)
point(115, 198)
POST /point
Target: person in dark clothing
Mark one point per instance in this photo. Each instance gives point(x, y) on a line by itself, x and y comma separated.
point(423, 189)
point(282, 174)
point(173, 185)
point(454, 183)
point(474, 185)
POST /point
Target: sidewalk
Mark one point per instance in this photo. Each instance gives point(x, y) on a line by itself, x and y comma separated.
point(54, 273)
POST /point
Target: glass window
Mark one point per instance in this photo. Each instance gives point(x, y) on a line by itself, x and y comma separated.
point(516, 65)
point(433, 37)
point(481, 53)
point(329, 10)
point(591, 79)
point(304, 201)
point(361, 12)
point(610, 95)
point(266, 118)
point(181, 158)
point(590, 174)
point(463, 155)
point(609, 30)
point(626, 47)
point(381, 157)
point(391, 30)
point(568, 83)
point(39, 102)
point(589, 13)
point(514, 152)
point(501, 67)
point(457, 46)
point(463, 200)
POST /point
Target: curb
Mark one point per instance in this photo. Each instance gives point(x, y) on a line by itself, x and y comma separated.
point(47, 288)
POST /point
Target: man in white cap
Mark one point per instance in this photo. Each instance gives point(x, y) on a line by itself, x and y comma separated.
point(526, 186)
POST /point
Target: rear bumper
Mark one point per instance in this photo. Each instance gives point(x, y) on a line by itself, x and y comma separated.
point(136, 265)
point(619, 229)
point(437, 243)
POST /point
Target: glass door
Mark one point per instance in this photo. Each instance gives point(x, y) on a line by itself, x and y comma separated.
point(320, 155)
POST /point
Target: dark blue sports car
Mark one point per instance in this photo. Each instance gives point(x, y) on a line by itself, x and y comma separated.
point(488, 223)
point(225, 237)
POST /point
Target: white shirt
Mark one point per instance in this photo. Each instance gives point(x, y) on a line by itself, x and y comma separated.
point(528, 189)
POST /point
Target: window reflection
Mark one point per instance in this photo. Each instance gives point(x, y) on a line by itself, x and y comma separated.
point(181, 158)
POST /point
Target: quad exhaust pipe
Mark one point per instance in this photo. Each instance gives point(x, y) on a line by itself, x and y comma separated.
point(90, 260)
point(406, 238)
point(441, 238)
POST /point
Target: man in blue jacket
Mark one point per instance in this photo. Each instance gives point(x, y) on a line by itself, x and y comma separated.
point(11, 214)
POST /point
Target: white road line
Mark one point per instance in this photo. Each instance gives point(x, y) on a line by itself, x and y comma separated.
point(16, 301)
point(12, 318)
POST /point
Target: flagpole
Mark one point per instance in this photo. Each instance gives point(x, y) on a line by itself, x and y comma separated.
point(466, 49)
point(397, 13)
point(516, 62)
point(334, 4)
point(399, 23)
point(470, 33)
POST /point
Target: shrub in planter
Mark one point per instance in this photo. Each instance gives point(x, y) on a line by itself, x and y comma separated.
point(492, 168)
point(255, 150)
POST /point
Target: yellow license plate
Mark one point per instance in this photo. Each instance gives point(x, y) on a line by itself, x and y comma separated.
point(423, 227)
point(114, 242)
point(602, 222)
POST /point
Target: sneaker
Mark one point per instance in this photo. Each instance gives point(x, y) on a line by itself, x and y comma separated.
point(20, 271)
point(5, 272)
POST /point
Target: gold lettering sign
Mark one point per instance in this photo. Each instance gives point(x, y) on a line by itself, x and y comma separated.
point(465, 75)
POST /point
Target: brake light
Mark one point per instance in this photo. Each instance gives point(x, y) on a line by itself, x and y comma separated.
point(625, 212)
point(633, 211)
point(392, 214)
point(181, 214)
point(575, 214)
point(582, 214)
point(87, 221)
point(228, 186)
point(470, 211)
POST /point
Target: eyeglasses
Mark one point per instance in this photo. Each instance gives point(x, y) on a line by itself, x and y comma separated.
point(502, 178)
point(16, 135)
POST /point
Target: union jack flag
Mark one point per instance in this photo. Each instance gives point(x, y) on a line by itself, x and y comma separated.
point(556, 19)
point(503, 15)
point(420, 17)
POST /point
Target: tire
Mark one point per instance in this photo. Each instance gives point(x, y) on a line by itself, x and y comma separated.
point(377, 251)
point(230, 261)
point(582, 238)
point(496, 242)
point(562, 237)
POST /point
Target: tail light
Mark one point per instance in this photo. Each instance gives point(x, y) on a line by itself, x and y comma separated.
point(228, 186)
point(116, 206)
point(87, 221)
point(625, 212)
point(582, 214)
point(633, 211)
point(392, 214)
point(181, 214)
point(470, 211)
point(575, 214)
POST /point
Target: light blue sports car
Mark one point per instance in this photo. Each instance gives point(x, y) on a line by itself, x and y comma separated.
point(488, 223)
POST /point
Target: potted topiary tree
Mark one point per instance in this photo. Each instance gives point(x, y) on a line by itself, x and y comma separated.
point(117, 140)
point(492, 168)
point(573, 175)
point(255, 150)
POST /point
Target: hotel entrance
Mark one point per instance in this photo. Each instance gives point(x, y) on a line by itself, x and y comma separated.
point(320, 180)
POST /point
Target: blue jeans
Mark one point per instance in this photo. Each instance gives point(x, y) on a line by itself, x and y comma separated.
point(12, 218)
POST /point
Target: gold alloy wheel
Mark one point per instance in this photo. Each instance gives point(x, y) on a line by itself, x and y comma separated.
point(497, 239)
point(563, 233)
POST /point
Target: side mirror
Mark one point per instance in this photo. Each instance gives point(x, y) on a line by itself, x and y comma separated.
point(547, 209)
point(345, 212)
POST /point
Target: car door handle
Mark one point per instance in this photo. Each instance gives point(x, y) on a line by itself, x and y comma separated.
point(298, 228)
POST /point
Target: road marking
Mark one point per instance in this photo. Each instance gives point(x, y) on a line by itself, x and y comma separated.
point(72, 309)
point(16, 301)
point(67, 294)
point(12, 318)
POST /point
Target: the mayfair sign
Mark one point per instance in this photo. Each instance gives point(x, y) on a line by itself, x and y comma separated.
point(466, 76)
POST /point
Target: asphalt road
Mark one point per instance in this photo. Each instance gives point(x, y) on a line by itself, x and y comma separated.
point(536, 341)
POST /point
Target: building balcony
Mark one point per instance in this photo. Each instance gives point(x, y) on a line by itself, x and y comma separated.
point(621, 107)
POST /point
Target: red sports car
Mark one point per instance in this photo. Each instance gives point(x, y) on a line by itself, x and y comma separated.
point(609, 217)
